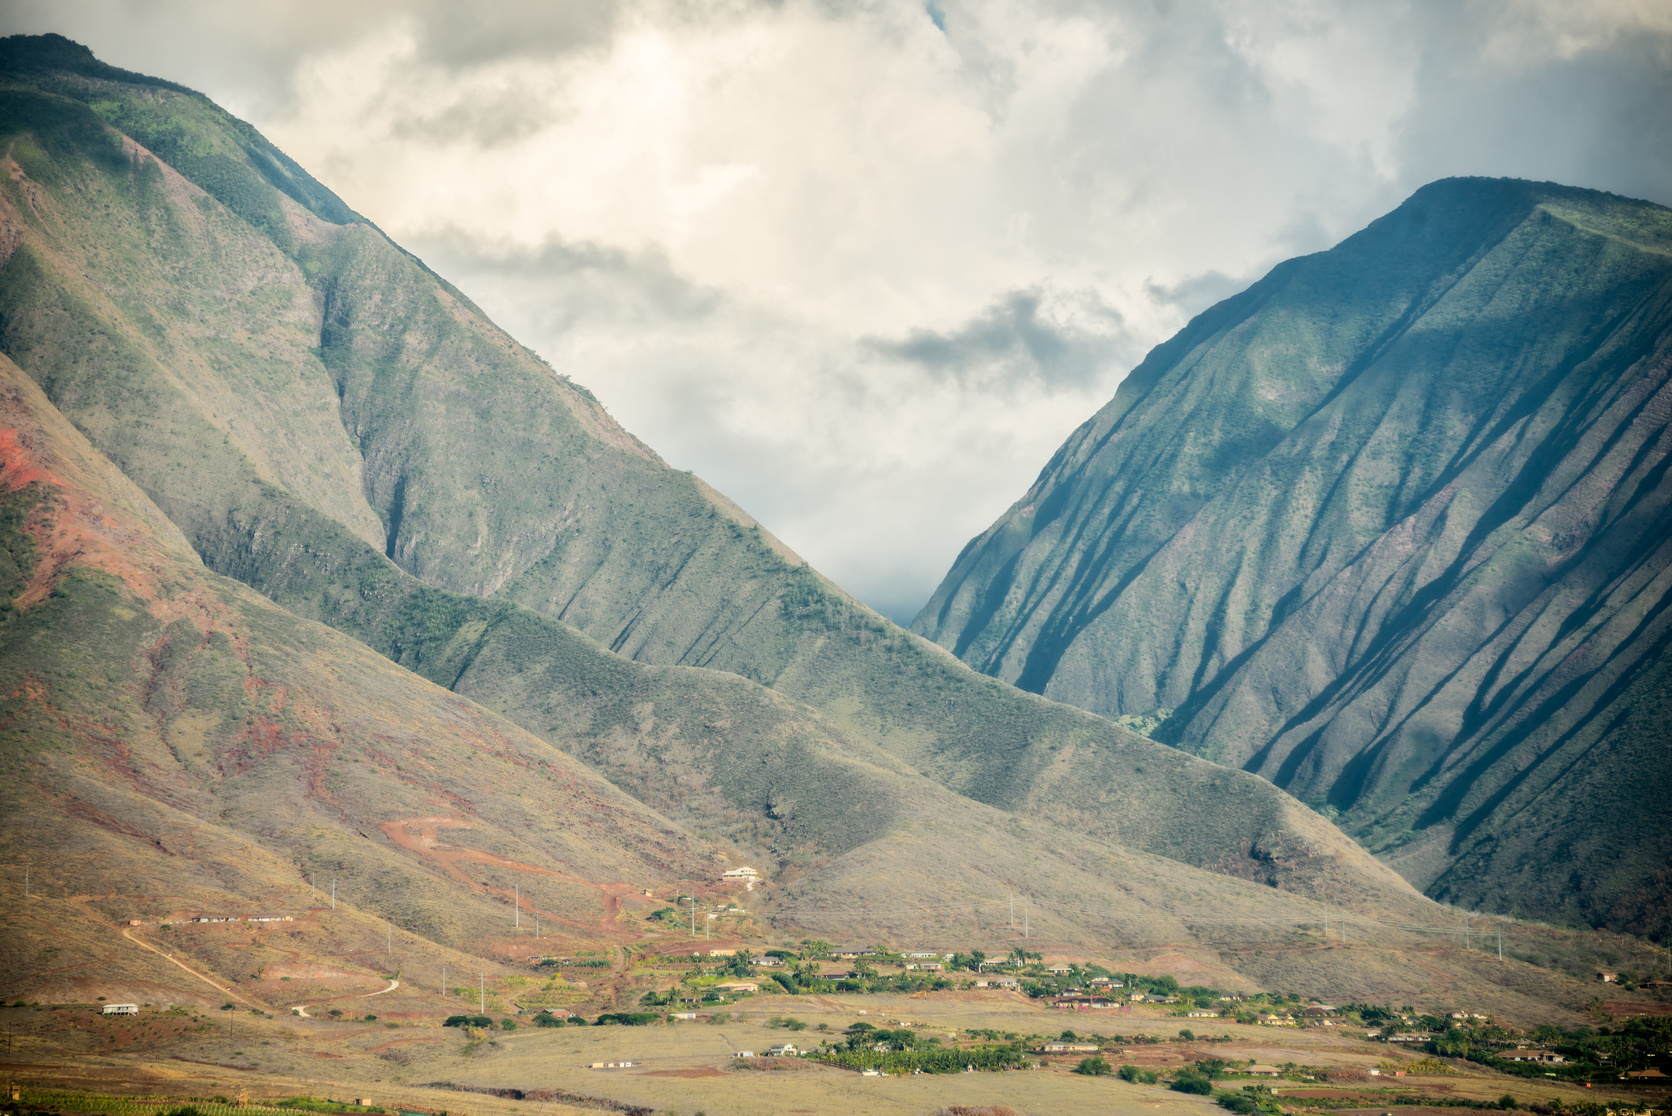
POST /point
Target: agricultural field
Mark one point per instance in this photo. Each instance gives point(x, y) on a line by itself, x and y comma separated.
point(416, 1065)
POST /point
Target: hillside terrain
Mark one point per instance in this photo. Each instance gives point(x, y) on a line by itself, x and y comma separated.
point(179, 747)
point(312, 578)
point(326, 421)
point(1391, 529)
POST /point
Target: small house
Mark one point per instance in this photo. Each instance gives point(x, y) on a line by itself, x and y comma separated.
point(121, 1009)
point(742, 1053)
point(1069, 1048)
point(739, 986)
point(765, 962)
point(784, 1050)
point(676, 1016)
point(744, 873)
point(1608, 978)
point(1202, 1013)
point(1540, 1057)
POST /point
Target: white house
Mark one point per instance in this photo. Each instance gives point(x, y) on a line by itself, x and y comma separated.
point(744, 873)
point(121, 1009)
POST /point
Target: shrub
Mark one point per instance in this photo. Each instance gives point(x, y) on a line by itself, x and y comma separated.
point(547, 1019)
point(627, 1018)
point(1093, 1067)
point(1189, 1081)
point(1139, 1076)
point(481, 1021)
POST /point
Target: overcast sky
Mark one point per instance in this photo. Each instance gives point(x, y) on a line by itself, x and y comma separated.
point(863, 265)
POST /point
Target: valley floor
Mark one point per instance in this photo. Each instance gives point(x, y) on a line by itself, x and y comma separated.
point(687, 1068)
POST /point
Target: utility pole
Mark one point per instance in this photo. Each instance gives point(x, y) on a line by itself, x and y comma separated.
point(516, 908)
point(1500, 945)
point(333, 893)
point(444, 980)
point(536, 925)
point(482, 992)
point(26, 881)
point(1025, 933)
point(1326, 927)
point(691, 899)
point(1013, 912)
point(1465, 931)
point(389, 943)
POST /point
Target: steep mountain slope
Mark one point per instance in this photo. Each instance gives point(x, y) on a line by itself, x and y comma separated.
point(173, 739)
point(330, 423)
point(1390, 528)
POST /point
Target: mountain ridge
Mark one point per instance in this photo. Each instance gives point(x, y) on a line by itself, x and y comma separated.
point(1281, 543)
point(370, 453)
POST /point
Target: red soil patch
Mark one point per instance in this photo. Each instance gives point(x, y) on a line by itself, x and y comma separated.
point(1621, 1007)
point(418, 835)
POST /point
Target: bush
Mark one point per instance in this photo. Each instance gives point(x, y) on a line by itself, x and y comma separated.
point(1507, 1102)
point(1093, 1067)
point(1139, 1076)
point(1188, 1035)
point(547, 1019)
point(481, 1021)
point(1189, 1081)
point(627, 1018)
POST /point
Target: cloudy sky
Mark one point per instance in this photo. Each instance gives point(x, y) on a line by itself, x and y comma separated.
point(863, 264)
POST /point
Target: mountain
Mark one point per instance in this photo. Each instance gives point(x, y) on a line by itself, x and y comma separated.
point(1391, 529)
point(310, 569)
point(328, 422)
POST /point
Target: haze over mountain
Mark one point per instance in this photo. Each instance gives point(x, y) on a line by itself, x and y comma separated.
point(863, 267)
point(1390, 528)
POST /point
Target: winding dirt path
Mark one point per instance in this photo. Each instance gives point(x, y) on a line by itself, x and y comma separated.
point(204, 977)
point(393, 984)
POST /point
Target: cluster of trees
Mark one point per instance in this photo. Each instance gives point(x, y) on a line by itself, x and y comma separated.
point(628, 1018)
point(1592, 1053)
point(927, 1058)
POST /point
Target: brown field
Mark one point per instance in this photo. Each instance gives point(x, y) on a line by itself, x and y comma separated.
point(683, 1069)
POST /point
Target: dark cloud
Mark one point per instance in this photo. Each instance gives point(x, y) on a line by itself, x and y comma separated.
point(572, 282)
point(1012, 343)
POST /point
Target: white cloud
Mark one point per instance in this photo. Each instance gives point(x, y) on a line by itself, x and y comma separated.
point(863, 265)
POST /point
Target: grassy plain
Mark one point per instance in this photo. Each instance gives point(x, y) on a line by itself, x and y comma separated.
point(687, 1068)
